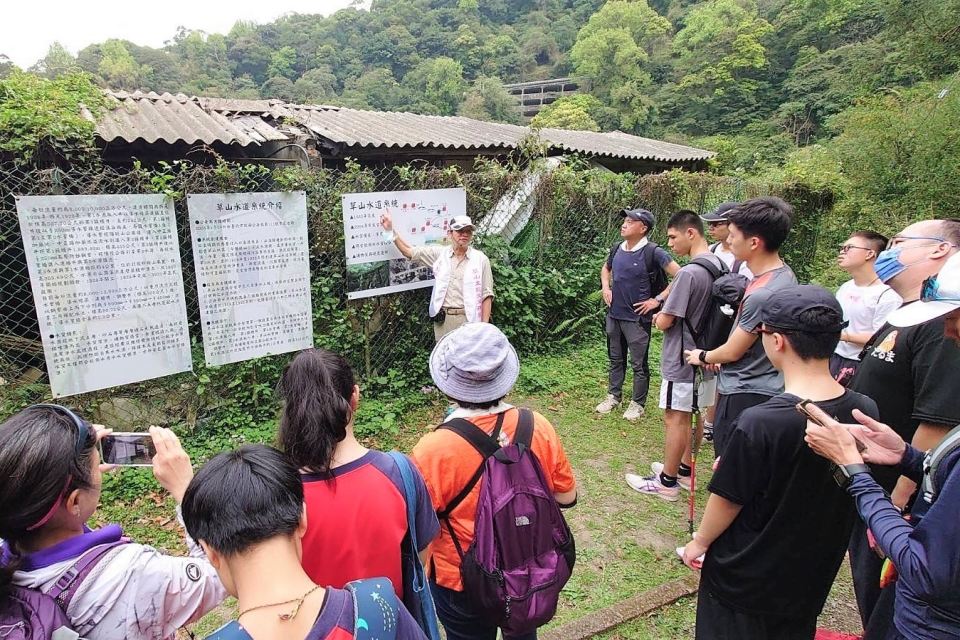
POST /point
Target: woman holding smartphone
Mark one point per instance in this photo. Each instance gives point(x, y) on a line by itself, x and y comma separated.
point(50, 478)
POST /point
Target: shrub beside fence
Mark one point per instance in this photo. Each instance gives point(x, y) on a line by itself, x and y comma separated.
point(546, 277)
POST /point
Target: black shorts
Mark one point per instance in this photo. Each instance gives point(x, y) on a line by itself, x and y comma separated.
point(716, 621)
point(842, 369)
point(729, 408)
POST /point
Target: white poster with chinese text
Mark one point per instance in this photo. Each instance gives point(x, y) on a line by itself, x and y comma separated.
point(374, 265)
point(108, 286)
point(253, 273)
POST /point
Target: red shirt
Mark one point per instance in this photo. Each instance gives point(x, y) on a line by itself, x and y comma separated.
point(357, 520)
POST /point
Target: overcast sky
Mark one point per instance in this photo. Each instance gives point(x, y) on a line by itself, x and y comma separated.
point(28, 27)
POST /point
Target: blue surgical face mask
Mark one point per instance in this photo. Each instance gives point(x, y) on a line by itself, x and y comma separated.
point(888, 264)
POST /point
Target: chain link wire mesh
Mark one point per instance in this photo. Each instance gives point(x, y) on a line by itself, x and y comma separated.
point(547, 234)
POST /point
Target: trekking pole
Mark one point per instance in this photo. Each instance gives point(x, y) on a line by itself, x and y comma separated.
point(694, 445)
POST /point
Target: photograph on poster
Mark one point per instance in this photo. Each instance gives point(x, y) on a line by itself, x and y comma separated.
point(253, 273)
point(107, 283)
point(374, 265)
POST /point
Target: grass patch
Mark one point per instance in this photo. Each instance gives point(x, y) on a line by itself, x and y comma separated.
point(625, 541)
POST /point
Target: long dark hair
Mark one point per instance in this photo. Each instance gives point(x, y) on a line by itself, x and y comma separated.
point(316, 386)
point(38, 453)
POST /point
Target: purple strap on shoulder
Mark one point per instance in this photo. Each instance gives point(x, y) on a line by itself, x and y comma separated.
point(67, 585)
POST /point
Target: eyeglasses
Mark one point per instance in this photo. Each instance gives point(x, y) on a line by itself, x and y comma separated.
point(716, 223)
point(845, 248)
point(767, 330)
point(930, 292)
point(895, 240)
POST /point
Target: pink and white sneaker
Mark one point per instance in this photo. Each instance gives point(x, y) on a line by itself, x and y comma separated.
point(651, 486)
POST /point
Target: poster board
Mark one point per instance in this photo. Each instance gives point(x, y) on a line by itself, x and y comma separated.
point(374, 265)
point(252, 264)
point(108, 287)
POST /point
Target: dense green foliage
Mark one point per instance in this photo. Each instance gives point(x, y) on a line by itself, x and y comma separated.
point(41, 117)
point(781, 89)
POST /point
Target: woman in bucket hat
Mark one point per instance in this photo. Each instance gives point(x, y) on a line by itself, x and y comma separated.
point(476, 366)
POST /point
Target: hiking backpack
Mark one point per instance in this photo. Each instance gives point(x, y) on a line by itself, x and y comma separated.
point(735, 266)
point(931, 463)
point(28, 614)
point(522, 551)
point(375, 613)
point(726, 293)
point(656, 274)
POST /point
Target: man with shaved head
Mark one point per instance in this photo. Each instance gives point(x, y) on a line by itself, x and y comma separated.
point(910, 373)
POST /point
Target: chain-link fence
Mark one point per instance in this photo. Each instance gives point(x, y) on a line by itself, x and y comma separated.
point(546, 234)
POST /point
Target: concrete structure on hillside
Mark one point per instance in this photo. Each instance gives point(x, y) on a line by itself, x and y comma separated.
point(533, 96)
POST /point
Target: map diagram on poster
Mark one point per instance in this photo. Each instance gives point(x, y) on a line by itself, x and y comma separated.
point(108, 286)
point(253, 273)
point(374, 265)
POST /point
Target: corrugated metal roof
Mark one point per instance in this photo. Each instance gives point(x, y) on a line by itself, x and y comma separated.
point(176, 118)
point(354, 128)
point(180, 118)
point(617, 144)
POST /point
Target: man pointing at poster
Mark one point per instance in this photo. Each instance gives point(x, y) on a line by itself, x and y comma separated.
point(464, 289)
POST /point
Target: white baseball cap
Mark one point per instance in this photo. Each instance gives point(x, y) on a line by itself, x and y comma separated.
point(939, 296)
point(458, 223)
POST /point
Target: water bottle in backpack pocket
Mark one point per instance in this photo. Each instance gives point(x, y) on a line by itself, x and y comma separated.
point(522, 552)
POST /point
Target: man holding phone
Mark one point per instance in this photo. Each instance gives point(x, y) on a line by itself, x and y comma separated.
point(776, 526)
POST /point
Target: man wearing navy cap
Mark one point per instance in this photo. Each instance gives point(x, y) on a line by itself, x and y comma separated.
point(718, 222)
point(776, 526)
point(634, 283)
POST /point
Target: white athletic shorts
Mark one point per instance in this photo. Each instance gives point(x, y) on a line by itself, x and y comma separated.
point(679, 395)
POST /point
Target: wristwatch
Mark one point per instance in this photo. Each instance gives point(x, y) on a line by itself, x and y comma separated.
point(658, 298)
point(843, 473)
point(703, 356)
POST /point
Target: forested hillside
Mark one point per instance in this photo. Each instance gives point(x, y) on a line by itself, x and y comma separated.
point(846, 95)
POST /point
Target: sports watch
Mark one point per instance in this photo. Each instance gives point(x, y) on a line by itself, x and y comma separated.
point(843, 473)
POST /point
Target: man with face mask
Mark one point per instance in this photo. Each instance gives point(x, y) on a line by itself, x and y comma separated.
point(910, 373)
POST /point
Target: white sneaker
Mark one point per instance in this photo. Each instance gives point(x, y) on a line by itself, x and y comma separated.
point(683, 481)
point(634, 412)
point(651, 486)
point(608, 405)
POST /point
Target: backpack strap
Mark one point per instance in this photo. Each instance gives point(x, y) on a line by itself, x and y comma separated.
point(486, 446)
point(932, 462)
point(65, 588)
point(714, 270)
point(524, 434)
point(376, 611)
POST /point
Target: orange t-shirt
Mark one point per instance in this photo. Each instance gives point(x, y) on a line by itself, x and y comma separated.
point(448, 462)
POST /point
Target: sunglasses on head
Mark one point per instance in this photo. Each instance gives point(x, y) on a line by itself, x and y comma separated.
point(83, 432)
point(930, 292)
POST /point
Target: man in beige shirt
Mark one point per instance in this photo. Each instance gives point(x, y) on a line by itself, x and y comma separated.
point(464, 288)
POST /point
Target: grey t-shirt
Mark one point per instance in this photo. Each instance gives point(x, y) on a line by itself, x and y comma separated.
point(689, 298)
point(753, 373)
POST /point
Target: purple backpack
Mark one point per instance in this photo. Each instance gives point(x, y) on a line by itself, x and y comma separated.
point(522, 551)
point(27, 614)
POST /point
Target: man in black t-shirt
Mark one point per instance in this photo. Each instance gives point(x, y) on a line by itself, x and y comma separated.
point(911, 373)
point(776, 526)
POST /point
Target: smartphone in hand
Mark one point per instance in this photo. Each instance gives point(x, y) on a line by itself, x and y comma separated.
point(803, 407)
point(127, 449)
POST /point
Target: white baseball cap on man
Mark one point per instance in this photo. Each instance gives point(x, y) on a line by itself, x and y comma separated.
point(939, 296)
point(459, 223)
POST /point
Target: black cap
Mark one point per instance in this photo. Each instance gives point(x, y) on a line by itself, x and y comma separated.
point(721, 213)
point(784, 306)
point(641, 215)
